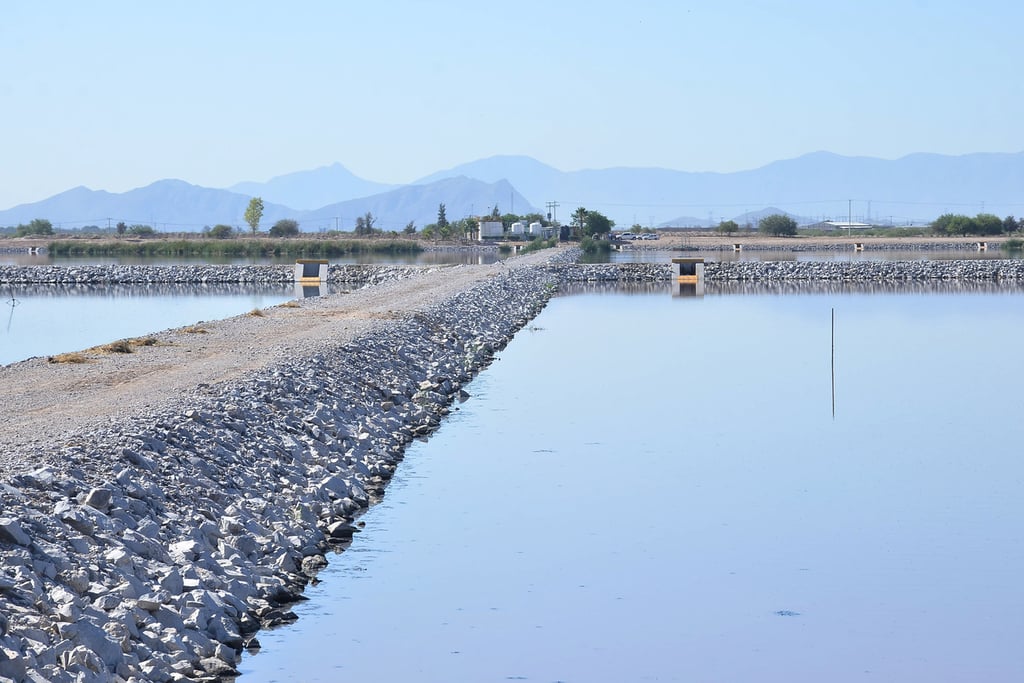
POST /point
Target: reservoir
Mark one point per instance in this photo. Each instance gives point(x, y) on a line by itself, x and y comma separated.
point(45, 320)
point(655, 488)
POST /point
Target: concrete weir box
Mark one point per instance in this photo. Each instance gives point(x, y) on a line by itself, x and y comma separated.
point(311, 271)
point(688, 269)
point(688, 274)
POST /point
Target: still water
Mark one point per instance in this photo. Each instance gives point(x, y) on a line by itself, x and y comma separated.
point(50, 319)
point(654, 488)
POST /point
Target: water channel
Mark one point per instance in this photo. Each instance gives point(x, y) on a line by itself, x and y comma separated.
point(647, 487)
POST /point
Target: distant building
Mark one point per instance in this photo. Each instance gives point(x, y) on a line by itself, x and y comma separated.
point(491, 230)
point(837, 225)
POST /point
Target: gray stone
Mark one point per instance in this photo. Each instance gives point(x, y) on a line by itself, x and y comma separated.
point(99, 498)
point(11, 532)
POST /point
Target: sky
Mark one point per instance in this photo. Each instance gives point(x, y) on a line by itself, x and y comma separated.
point(116, 94)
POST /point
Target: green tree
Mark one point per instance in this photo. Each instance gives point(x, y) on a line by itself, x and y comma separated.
point(410, 227)
point(579, 220)
point(122, 227)
point(466, 227)
point(364, 224)
point(1010, 224)
point(727, 227)
point(254, 213)
point(988, 224)
point(220, 231)
point(953, 224)
point(508, 219)
point(778, 224)
point(442, 218)
point(596, 224)
point(286, 227)
point(36, 226)
point(140, 230)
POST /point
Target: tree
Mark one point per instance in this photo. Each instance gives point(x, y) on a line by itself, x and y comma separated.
point(1010, 224)
point(727, 227)
point(220, 231)
point(254, 213)
point(596, 224)
point(953, 224)
point(286, 227)
point(466, 227)
point(442, 219)
point(364, 224)
point(579, 219)
point(36, 226)
point(988, 224)
point(140, 230)
point(410, 227)
point(122, 227)
point(778, 224)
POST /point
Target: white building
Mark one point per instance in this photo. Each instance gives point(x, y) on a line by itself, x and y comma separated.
point(490, 230)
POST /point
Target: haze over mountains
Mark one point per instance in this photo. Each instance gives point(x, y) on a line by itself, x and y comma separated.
point(911, 190)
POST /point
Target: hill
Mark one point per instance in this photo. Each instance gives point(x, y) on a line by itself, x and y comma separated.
point(913, 189)
point(307, 190)
point(818, 186)
point(419, 203)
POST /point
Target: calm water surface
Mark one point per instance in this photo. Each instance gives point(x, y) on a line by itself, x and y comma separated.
point(654, 488)
point(52, 319)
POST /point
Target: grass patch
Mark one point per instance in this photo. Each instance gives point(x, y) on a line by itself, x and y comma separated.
point(1013, 244)
point(233, 248)
point(72, 358)
point(257, 313)
point(194, 329)
point(591, 246)
point(120, 346)
point(290, 304)
point(538, 244)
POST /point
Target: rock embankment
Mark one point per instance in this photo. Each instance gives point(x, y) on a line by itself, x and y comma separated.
point(154, 548)
point(193, 274)
point(820, 271)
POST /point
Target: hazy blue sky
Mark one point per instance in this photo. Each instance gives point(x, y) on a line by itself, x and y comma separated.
point(116, 94)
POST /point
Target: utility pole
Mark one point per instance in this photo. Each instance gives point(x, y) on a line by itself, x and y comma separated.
point(552, 208)
point(849, 216)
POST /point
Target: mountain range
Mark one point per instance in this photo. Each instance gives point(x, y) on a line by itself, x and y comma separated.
point(821, 185)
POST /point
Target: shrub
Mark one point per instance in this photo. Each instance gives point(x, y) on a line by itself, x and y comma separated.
point(285, 227)
point(778, 224)
point(220, 231)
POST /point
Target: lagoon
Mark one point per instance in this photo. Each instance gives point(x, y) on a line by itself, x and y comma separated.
point(648, 487)
point(44, 320)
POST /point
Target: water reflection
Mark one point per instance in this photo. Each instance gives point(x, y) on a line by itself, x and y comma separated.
point(51, 319)
point(154, 289)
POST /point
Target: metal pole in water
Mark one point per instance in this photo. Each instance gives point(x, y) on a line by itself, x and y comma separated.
point(833, 363)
